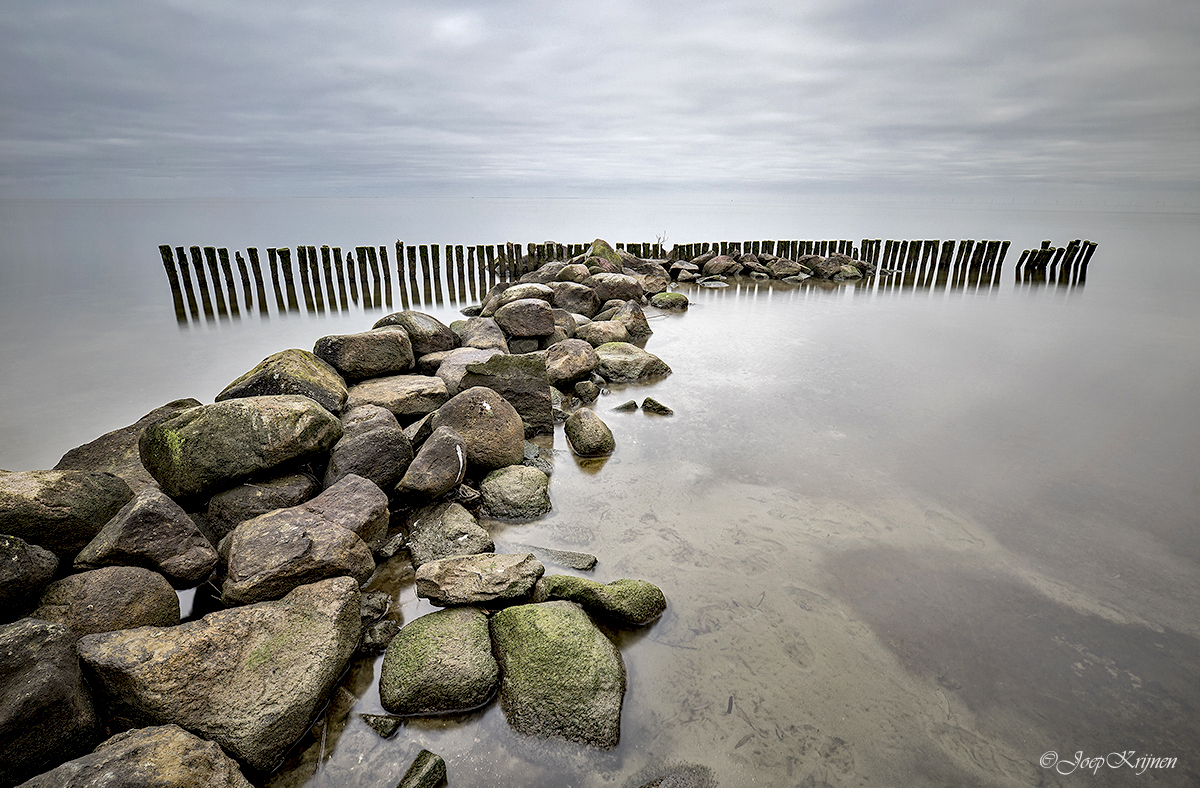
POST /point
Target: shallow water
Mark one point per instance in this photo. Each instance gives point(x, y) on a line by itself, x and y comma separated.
point(919, 537)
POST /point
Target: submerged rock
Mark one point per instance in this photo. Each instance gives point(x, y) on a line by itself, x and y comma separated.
point(59, 510)
point(588, 435)
point(621, 362)
point(631, 602)
point(291, 371)
point(439, 663)
point(428, 770)
point(651, 405)
point(561, 677)
point(488, 579)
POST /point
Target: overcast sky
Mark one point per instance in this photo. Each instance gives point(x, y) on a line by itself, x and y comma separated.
point(217, 97)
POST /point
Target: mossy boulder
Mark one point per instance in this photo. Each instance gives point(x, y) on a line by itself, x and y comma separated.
point(517, 492)
point(439, 663)
point(212, 447)
point(522, 381)
point(621, 362)
point(630, 602)
point(588, 435)
point(59, 510)
point(291, 371)
point(675, 302)
point(561, 676)
point(602, 249)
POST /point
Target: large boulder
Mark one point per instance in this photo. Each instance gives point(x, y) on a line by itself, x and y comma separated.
point(227, 509)
point(426, 332)
point(488, 579)
point(249, 678)
point(721, 265)
point(212, 447)
point(25, 571)
point(276, 552)
point(162, 756)
point(569, 361)
point(445, 530)
point(154, 532)
point(117, 451)
point(439, 466)
point(516, 292)
point(60, 510)
point(625, 602)
point(526, 317)
point(110, 598)
point(781, 268)
point(291, 371)
point(633, 318)
point(483, 333)
point(368, 354)
point(46, 714)
point(439, 663)
point(673, 302)
point(489, 426)
point(621, 362)
point(407, 396)
point(575, 297)
point(622, 287)
point(575, 272)
point(588, 435)
point(602, 332)
point(454, 367)
point(372, 446)
point(522, 382)
point(561, 677)
point(603, 250)
point(517, 492)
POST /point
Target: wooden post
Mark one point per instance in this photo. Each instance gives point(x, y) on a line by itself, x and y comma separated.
point(414, 292)
point(426, 278)
point(480, 270)
point(314, 271)
point(343, 289)
point(1017, 269)
point(285, 266)
point(302, 264)
point(244, 275)
point(451, 291)
point(210, 257)
point(436, 252)
point(327, 268)
point(404, 303)
point(186, 275)
point(259, 288)
point(1083, 264)
point(351, 277)
point(376, 286)
point(273, 262)
point(201, 281)
point(471, 273)
point(491, 268)
point(387, 275)
point(460, 265)
point(230, 285)
point(164, 251)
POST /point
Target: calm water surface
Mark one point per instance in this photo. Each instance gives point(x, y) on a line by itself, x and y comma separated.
point(919, 537)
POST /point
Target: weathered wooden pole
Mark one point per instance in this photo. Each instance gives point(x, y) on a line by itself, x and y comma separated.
point(285, 267)
point(387, 275)
point(364, 287)
point(259, 286)
point(404, 303)
point(414, 291)
point(173, 279)
point(244, 275)
point(426, 278)
point(351, 277)
point(315, 271)
point(330, 285)
point(230, 285)
point(436, 252)
point(210, 257)
point(1087, 256)
point(460, 264)
point(201, 281)
point(273, 263)
point(472, 273)
point(376, 284)
point(451, 290)
point(491, 267)
point(302, 265)
point(480, 270)
point(186, 275)
point(1017, 268)
point(343, 289)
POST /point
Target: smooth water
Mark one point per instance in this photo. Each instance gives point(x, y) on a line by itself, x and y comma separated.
point(917, 537)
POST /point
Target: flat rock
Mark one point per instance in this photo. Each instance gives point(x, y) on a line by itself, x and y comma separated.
point(561, 677)
point(110, 598)
point(25, 571)
point(249, 679)
point(226, 510)
point(426, 333)
point(489, 579)
point(404, 395)
point(601, 332)
point(589, 436)
point(46, 714)
point(439, 663)
point(568, 558)
point(521, 380)
point(291, 371)
point(439, 466)
point(161, 756)
point(517, 492)
point(372, 446)
point(627, 602)
point(489, 426)
point(59, 510)
point(515, 292)
point(621, 362)
point(212, 447)
point(569, 361)
point(356, 504)
point(368, 354)
point(117, 451)
point(153, 531)
point(445, 530)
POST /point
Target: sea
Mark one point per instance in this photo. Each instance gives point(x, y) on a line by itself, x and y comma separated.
point(911, 535)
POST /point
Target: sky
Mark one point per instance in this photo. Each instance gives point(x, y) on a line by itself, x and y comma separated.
point(158, 98)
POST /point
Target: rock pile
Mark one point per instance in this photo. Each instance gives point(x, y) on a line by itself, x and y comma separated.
point(711, 267)
point(286, 494)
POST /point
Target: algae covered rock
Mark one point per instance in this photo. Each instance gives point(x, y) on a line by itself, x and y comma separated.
point(487, 579)
point(588, 434)
point(676, 302)
point(291, 371)
point(214, 446)
point(521, 380)
point(59, 510)
point(561, 677)
point(621, 362)
point(439, 663)
point(633, 602)
point(516, 492)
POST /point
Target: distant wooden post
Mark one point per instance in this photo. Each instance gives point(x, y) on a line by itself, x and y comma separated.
point(315, 271)
point(451, 290)
point(460, 264)
point(351, 277)
point(491, 268)
point(436, 251)
point(414, 291)
point(273, 263)
point(210, 257)
point(1087, 256)
point(330, 285)
point(376, 285)
point(387, 275)
point(1017, 269)
point(186, 275)
point(244, 275)
point(480, 270)
point(472, 274)
point(343, 288)
point(285, 267)
point(202, 280)
point(259, 287)
point(302, 265)
point(404, 303)
point(426, 277)
point(360, 253)
point(173, 279)
point(230, 285)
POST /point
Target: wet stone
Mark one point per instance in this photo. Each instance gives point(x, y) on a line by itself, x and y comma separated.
point(383, 724)
point(489, 579)
point(291, 371)
point(439, 664)
point(651, 405)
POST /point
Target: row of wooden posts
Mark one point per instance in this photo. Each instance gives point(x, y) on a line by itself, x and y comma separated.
point(366, 276)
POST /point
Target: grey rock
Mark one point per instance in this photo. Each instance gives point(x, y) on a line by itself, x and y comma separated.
point(602, 332)
point(372, 446)
point(444, 530)
point(522, 345)
point(489, 579)
point(516, 292)
point(575, 272)
point(373, 605)
point(651, 405)
point(721, 265)
point(564, 321)
point(587, 391)
point(589, 436)
point(576, 298)
point(25, 571)
point(621, 362)
point(483, 333)
point(212, 447)
point(439, 663)
point(378, 635)
point(568, 558)
point(633, 318)
point(428, 364)
point(116, 452)
point(368, 354)
point(561, 677)
point(291, 371)
point(386, 726)
point(679, 775)
point(212, 676)
point(110, 598)
point(454, 367)
point(609, 286)
point(627, 406)
point(404, 395)
point(46, 714)
point(526, 317)
point(569, 361)
point(419, 431)
point(428, 770)
point(517, 492)
point(652, 281)
point(152, 531)
point(490, 427)
point(356, 504)
point(227, 509)
point(626, 602)
point(522, 382)
point(426, 333)
point(59, 510)
point(162, 756)
point(781, 268)
point(439, 466)
point(675, 302)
